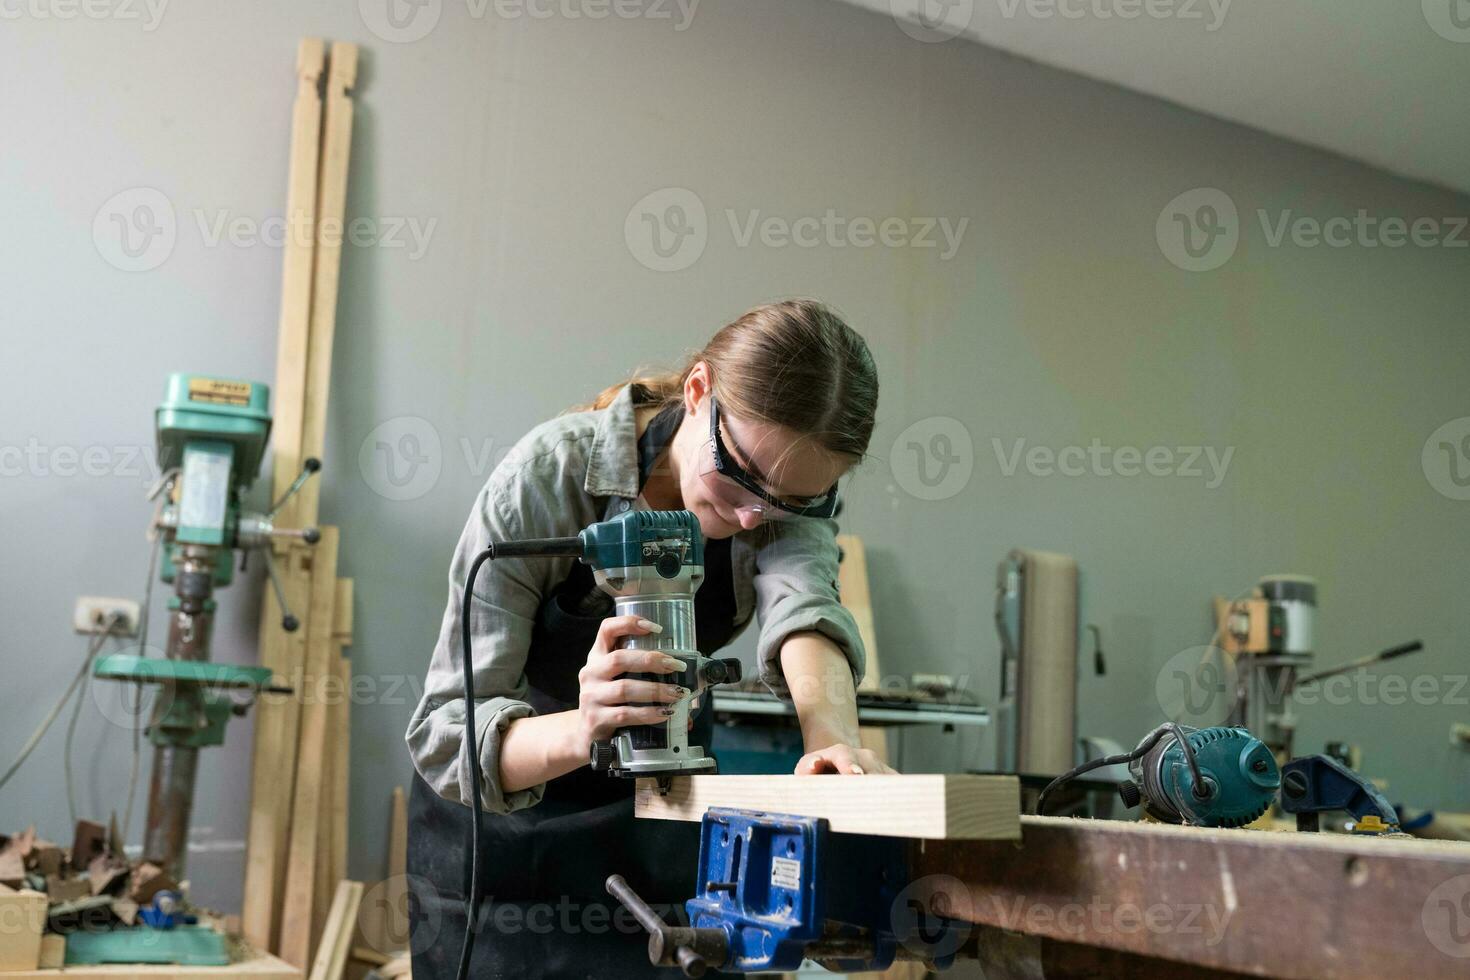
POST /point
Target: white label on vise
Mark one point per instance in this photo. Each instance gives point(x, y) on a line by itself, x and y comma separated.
point(786, 873)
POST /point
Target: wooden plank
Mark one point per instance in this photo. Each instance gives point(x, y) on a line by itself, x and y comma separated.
point(342, 771)
point(331, 225)
point(1248, 901)
point(398, 835)
point(342, 612)
point(853, 589)
point(332, 826)
point(273, 728)
point(302, 870)
point(331, 954)
point(852, 586)
point(260, 966)
point(384, 920)
point(277, 723)
point(332, 846)
point(938, 807)
point(296, 270)
point(22, 921)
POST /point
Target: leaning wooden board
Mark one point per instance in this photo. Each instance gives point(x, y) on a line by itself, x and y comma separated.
point(931, 807)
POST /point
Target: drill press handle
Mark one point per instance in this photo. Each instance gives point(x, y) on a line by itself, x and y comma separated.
point(259, 532)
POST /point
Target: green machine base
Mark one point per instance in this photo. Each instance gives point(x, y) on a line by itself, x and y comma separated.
point(184, 945)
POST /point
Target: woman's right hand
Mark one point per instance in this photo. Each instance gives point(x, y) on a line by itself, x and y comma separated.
point(603, 705)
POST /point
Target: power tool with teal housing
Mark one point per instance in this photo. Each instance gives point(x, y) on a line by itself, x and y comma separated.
point(651, 562)
point(1211, 777)
point(211, 435)
point(1203, 777)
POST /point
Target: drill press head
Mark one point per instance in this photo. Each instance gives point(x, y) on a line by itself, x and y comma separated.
point(652, 563)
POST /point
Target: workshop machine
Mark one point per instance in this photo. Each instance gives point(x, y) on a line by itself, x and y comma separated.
point(651, 562)
point(211, 436)
point(1272, 637)
point(1036, 602)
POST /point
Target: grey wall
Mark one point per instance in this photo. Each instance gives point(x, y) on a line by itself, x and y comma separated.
point(1059, 320)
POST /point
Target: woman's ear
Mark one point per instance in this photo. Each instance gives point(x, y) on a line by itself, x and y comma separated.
point(696, 388)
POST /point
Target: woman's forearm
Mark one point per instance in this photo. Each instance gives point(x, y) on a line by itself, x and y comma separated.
point(539, 748)
point(820, 680)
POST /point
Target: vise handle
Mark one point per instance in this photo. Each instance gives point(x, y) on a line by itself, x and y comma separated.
point(692, 950)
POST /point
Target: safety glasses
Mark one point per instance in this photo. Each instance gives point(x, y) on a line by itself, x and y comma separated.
point(730, 481)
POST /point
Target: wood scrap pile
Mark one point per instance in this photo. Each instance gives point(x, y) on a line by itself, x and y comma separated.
point(48, 890)
point(91, 883)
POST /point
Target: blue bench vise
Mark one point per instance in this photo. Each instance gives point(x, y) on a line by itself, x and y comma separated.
point(1318, 784)
point(774, 890)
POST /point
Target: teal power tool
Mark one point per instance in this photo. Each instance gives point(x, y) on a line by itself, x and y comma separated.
point(1204, 777)
point(1211, 777)
point(651, 563)
point(212, 435)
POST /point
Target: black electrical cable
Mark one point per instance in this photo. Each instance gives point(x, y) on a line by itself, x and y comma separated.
point(1201, 788)
point(536, 548)
point(472, 899)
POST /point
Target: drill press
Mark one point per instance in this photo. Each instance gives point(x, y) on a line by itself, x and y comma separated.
point(211, 435)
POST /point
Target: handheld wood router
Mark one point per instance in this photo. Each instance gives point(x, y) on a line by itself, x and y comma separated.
point(651, 562)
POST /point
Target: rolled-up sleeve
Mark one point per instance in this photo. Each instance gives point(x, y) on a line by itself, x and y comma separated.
point(508, 592)
point(796, 591)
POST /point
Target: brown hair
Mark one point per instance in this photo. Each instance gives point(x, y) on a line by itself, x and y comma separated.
point(794, 364)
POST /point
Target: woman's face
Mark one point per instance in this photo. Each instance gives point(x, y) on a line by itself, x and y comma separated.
point(789, 465)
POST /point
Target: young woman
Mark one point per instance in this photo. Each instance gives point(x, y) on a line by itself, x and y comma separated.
point(784, 398)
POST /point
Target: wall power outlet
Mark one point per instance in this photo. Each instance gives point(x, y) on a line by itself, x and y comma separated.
point(92, 613)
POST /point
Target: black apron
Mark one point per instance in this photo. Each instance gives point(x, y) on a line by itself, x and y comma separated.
point(546, 912)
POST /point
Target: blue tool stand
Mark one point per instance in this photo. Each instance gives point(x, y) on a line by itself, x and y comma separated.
point(774, 890)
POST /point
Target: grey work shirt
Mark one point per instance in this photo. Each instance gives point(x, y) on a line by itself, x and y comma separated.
point(564, 475)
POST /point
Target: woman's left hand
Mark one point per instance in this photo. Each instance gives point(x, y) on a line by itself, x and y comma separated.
point(843, 759)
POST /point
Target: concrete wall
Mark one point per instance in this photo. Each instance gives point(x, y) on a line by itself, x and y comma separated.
point(520, 150)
